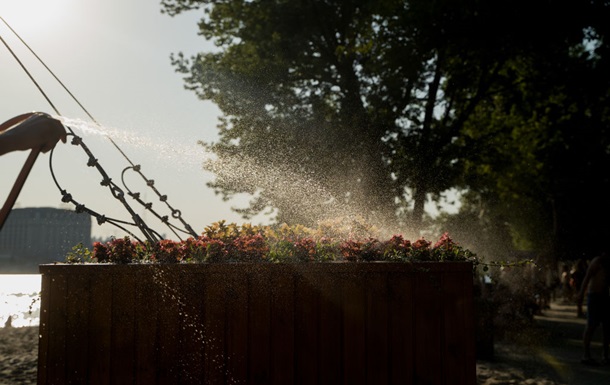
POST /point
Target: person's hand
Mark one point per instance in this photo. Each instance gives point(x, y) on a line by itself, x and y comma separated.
point(33, 131)
point(41, 131)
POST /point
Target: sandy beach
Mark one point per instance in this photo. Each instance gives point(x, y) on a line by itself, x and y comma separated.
point(18, 355)
point(547, 354)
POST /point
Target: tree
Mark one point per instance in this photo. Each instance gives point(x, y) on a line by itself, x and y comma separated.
point(541, 145)
point(373, 107)
point(353, 104)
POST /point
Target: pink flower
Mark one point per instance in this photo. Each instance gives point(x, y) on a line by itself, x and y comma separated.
point(444, 242)
point(420, 244)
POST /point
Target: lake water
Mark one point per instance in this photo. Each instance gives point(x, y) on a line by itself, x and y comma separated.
point(20, 299)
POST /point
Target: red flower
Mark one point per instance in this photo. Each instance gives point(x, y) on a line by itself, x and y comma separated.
point(350, 250)
point(167, 251)
point(100, 252)
point(396, 248)
point(305, 250)
point(249, 248)
point(215, 251)
point(121, 250)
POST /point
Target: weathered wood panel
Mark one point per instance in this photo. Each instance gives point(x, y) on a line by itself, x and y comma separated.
point(272, 324)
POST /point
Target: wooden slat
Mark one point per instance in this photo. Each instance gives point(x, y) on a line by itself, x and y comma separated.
point(330, 330)
point(453, 330)
point(468, 342)
point(146, 311)
point(122, 338)
point(401, 303)
point(236, 333)
point(429, 364)
point(77, 315)
point(56, 368)
point(169, 354)
point(282, 329)
point(44, 358)
point(259, 334)
point(306, 330)
point(354, 329)
point(459, 362)
point(377, 358)
point(100, 323)
point(192, 336)
point(214, 329)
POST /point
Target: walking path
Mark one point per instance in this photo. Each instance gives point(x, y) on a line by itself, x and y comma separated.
point(548, 353)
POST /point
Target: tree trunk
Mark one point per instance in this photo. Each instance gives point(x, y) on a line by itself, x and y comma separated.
point(424, 146)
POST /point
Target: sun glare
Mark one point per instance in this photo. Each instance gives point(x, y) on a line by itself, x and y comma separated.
point(19, 299)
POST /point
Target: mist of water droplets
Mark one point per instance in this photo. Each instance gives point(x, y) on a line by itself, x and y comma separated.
point(297, 194)
point(169, 149)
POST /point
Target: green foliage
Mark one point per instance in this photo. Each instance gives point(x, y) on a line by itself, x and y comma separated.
point(540, 150)
point(363, 98)
point(376, 106)
point(79, 254)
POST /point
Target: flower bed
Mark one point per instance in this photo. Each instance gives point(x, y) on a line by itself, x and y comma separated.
point(253, 322)
point(232, 243)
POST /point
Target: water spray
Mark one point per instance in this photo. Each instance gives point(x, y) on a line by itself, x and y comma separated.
point(116, 191)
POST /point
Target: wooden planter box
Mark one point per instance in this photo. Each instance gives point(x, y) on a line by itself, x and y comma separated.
point(326, 323)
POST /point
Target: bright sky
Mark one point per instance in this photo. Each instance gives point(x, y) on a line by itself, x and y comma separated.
point(113, 55)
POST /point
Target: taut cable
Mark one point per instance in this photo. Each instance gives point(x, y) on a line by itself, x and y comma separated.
point(28, 73)
point(58, 81)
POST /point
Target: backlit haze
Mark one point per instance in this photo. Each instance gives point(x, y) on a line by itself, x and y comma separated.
point(114, 57)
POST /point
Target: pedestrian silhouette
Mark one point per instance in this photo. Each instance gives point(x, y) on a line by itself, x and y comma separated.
point(595, 285)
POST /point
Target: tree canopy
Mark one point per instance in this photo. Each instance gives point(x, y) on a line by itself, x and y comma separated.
point(373, 107)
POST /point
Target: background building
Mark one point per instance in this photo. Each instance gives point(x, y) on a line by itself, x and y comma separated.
point(32, 236)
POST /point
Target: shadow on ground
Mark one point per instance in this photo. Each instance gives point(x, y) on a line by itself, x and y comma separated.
point(547, 353)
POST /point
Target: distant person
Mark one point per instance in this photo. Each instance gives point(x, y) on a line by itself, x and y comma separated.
point(578, 275)
point(596, 286)
point(31, 131)
point(565, 284)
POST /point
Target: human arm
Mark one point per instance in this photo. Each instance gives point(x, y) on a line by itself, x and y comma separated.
point(31, 131)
